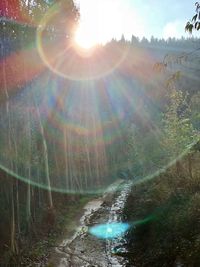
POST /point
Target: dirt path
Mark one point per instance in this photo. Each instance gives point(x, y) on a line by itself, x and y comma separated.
point(85, 250)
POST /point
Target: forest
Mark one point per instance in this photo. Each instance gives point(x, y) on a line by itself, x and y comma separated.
point(75, 122)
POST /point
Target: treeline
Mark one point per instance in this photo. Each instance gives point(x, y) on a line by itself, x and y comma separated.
point(172, 43)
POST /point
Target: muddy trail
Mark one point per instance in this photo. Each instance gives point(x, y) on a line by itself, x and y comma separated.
point(84, 249)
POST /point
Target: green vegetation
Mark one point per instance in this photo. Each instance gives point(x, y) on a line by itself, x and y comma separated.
point(173, 203)
point(194, 23)
point(172, 198)
point(70, 124)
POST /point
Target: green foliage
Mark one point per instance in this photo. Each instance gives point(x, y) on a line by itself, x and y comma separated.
point(195, 110)
point(178, 130)
point(194, 23)
point(173, 237)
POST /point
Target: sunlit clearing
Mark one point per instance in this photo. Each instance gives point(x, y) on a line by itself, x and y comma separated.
point(109, 231)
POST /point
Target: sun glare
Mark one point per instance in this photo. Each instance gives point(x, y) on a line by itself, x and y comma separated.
point(83, 39)
point(102, 20)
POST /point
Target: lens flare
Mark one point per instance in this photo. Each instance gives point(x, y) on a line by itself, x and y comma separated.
point(74, 122)
point(83, 40)
point(64, 59)
point(110, 230)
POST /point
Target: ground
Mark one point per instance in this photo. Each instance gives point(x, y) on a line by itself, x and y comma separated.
point(85, 250)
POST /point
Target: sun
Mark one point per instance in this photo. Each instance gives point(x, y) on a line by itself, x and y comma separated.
point(103, 20)
point(84, 38)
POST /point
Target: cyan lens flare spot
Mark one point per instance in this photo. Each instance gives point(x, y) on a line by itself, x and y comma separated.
point(109, 230)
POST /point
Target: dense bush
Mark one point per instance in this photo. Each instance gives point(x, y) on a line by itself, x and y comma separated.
point(171, 235)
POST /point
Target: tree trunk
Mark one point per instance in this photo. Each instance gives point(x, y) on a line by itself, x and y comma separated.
point(45, 159)
point(190, 165)
point(178, 168)
point(13, 245)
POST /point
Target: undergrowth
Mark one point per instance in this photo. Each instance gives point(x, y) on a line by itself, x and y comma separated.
point(171, 235)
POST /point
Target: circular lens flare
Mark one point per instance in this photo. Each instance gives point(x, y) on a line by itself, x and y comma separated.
point(60, 54)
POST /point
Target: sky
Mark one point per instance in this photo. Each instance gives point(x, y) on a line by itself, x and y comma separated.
point(102, 20)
